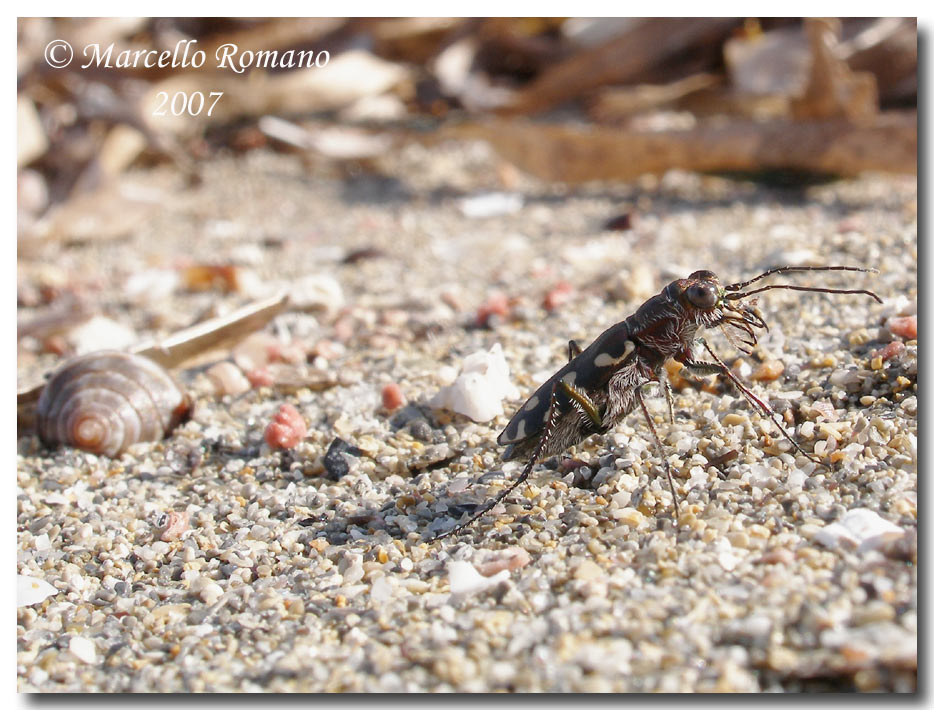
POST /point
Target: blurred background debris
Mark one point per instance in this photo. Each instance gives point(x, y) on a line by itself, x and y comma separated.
point(739, 92)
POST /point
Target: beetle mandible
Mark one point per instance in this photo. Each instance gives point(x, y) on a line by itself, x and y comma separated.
point(602, 384)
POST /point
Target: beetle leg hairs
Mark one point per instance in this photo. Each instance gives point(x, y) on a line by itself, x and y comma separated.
point(661, 450)
point(540, 447)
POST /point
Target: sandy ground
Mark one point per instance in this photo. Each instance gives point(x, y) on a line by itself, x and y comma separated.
point(296, 575)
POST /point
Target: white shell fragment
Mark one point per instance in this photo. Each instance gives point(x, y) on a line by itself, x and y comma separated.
point(479, 390)
point(465, 579)
point(151, 285)
point(30, 590)
point(491, 204)
point(317, 291)
point(83, 649)
point(860, 526)
point(101, 333)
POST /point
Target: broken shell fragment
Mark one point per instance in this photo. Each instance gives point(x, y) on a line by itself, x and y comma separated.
point(479, 390)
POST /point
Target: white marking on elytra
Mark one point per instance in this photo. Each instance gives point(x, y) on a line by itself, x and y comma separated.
point(532, 403)
point(569, 378)
point(607, 360)
point(520, 431)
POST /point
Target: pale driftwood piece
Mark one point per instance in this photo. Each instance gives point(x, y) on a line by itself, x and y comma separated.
point(197, 339)
point(621, 102)
point(623, 59)
point(573, 155)
point(187, 343)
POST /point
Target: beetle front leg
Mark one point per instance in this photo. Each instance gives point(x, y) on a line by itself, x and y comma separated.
point(573, 350)
point(719, 368)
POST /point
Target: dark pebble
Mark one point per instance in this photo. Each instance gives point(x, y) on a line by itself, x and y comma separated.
point(619, 223)
point(420, 430)
point(335, 461)
point(408, 414)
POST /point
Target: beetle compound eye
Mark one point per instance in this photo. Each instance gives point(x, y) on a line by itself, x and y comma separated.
point(702, 295)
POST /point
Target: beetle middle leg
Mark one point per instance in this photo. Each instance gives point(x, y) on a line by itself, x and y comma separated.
point(660, 448)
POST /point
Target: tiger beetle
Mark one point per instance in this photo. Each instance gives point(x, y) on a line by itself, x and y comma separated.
point(599, 386)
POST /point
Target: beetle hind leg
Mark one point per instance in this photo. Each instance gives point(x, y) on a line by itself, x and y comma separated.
point(543, 441)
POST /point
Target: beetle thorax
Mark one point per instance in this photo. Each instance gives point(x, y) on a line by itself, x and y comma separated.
point(667, 327)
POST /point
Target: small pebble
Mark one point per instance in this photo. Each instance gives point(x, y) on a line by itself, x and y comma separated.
point(491, 204)
point(768, 371)
point(894, 349)
point(381, 590)
point(557, 296)
point(904, 326)
point(175, 524)
point(335, 458)
point(83, 649)
point(465, 579)
point(287, 428)
point(497, 304)
point(260, 377)
point(589, 570)
point(392, 397)
point(620, 223)
point(317, 291)
point(30, 590)
point(509, 559)
point(859, 526)
point(228, 379)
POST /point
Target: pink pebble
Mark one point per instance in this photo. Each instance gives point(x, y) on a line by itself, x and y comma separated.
point(510, 558)
point(392, 396)
point(176, 523)
point(559, 295)
point(893, 349)
point(286, 429)
point(260, 377)
point(904, 326)
point(497, 304)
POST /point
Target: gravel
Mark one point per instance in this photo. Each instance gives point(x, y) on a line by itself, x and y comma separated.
point(287, 580)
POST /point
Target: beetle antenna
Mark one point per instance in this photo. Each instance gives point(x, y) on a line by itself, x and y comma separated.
point(786, 269)
point(735, 296)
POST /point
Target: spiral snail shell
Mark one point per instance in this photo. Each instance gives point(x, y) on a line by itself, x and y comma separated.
point(105, 401)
